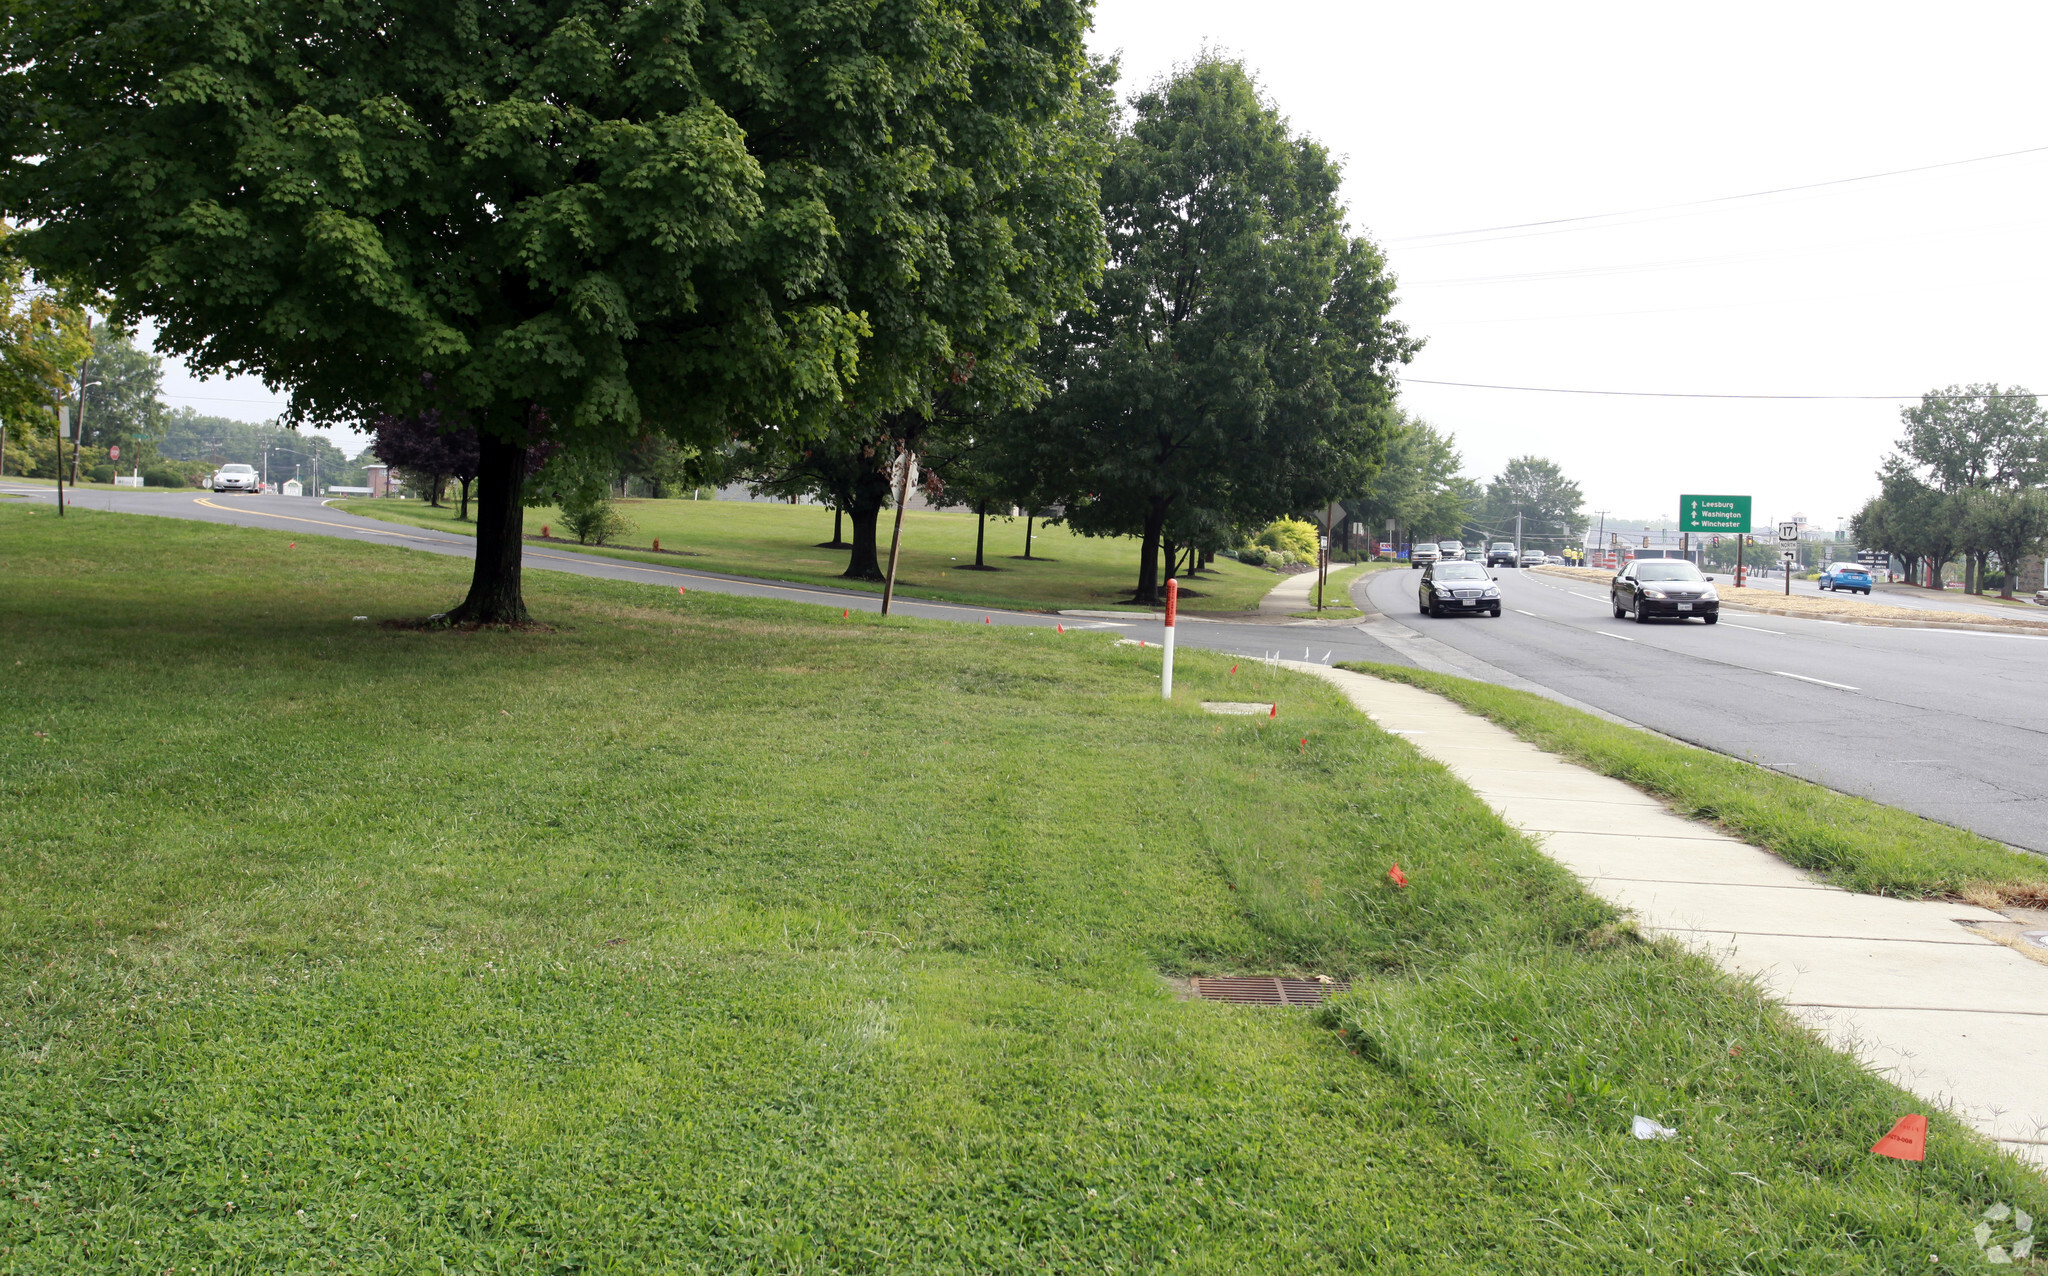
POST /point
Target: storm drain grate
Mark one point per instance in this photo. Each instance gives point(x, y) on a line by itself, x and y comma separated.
point(1265, 990)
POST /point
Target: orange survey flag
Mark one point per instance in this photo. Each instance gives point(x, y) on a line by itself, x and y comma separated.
point(1396, 876)
point(1907, 1141)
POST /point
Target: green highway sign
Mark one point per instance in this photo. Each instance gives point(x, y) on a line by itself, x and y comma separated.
point(1713, 514)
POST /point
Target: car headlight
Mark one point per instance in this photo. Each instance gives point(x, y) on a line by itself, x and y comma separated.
point(1711, 596)
point(1653, 593)
point(1492, 593)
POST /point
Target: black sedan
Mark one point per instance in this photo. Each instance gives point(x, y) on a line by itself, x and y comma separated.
point(1450, 588)
point(1664, 587)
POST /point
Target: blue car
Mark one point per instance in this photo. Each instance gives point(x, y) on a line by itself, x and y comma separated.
point(1854, 577)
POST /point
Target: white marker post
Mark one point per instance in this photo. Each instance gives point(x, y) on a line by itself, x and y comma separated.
point(1172, 607)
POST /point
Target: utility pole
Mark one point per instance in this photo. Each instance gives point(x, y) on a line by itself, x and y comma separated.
point(1518, 540)
point(63, 432)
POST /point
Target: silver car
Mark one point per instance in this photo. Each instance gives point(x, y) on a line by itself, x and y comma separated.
point(236, 478)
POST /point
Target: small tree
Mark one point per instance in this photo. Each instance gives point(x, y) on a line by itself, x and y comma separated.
point(431, 448)
point(2013, 524)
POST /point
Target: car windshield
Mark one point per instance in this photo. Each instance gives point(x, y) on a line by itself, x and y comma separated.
point(1449, 545)
point(1845, 567)
point(236, 469)
point(1460, 571)
point(1667, 571)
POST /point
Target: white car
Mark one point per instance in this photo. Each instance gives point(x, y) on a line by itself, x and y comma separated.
point(1532, 558)
point(1423, 553)
point(236, 478)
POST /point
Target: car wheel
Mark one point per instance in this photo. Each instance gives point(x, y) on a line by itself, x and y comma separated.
point(1712, 619)
point(1616, 602)
point(1642, 617)
point(1495, 613)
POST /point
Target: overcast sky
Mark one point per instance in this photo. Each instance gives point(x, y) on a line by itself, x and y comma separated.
point(1452, 117)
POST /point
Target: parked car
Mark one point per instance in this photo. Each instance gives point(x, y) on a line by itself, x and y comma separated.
point(1452, 551)
point(1849, 576)
point(1500, 554)
point(1532, 558)
point(1553, 560)
point(1449, 589)
point(236, 478)
point(1423, 552)
point(1664, 587)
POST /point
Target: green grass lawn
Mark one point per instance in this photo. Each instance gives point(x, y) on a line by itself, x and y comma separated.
point(1855, 843)
point(780, 542)
point(715, 934)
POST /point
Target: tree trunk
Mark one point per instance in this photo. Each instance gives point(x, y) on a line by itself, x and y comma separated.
point(494, 594)
point(1148, 552)
point(980, 534)
point(462, 512)
point(1170, 553)
point(1027, 516)
point(870, 494)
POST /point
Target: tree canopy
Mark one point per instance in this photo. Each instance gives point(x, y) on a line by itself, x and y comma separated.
point(1550, 504)
point(1418, 486)
point(1236, 360)
point(584, 219)
point(1966, 455)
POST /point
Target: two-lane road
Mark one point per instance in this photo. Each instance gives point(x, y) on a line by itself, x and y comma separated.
point(1943, 722)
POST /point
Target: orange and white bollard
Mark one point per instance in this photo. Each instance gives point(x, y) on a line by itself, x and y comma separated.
point(1172, 608)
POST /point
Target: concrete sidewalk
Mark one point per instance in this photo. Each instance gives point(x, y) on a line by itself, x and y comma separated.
point(1905, 985)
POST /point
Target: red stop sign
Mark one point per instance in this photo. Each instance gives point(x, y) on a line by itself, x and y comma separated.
point(114, 452)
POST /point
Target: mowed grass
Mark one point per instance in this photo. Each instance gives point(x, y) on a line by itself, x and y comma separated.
point(713, 934)
point(1853, 842)
point(780, 542)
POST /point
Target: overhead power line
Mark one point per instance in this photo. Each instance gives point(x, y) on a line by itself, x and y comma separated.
point(1721, 199)
point(1675, 394)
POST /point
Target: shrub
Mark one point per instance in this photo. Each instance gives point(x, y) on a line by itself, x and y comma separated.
point(164, 476)
point(101, 473)
point(594, 521)
point(1290, 534)
point(1252, 556)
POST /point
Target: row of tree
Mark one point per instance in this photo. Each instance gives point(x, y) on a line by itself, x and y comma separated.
point(1964, 482)
point(1421, 492)
point(830, 245)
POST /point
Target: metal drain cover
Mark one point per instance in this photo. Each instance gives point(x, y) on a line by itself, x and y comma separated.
point(2038, 938)
point(1266, 990)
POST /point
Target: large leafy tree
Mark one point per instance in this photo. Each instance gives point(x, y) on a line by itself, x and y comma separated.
point(1418, 486)
point(123, 395)
point(1550, 504)
point(1964, 441)
point(583, 219)
point(1236, 361)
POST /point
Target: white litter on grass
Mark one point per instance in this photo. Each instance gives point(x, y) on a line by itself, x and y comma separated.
point(1241, 708)
point(1645, 1128)
point(361, 618)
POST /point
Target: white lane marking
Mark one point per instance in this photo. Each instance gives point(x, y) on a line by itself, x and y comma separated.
point(1839, 686)
point(1752, 628)
point(1589, 597)
point(1519, 612)
point(1603, 633)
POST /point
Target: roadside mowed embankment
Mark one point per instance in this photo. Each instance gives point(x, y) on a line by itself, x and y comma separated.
point(708, 933)
point(782, 542)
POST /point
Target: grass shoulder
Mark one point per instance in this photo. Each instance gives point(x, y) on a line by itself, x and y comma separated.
point(775, 541)
point(1853, 842)
point(709, 925)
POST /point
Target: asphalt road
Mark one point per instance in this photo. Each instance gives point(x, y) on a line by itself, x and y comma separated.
point(1941, 722)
